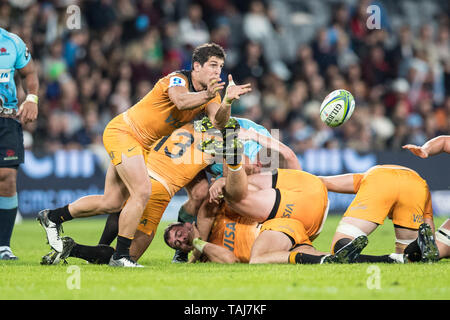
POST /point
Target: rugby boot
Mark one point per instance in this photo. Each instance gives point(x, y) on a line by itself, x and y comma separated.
point(55, 257)
point(348, 253)
point(52, 230)
point(6, 254)
point(203, 125)
point(125, 262)
point(180, 257)
point(427, 244)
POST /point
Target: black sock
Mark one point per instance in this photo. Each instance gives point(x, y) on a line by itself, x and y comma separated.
point(303, 258)
point(413, 252)
point(111, 229)
point(363, 258)
point(93, 254)
point(123, 247)
point(340, 244)
point(7, 220)
point(60, 215)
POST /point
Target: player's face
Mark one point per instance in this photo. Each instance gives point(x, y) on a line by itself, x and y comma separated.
point(179, 237)
point(211, 69)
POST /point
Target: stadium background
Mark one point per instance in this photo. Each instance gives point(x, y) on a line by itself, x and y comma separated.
point(293, 53)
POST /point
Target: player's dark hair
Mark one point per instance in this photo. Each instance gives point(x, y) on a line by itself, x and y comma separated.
point(167, 232)
point(205, 51)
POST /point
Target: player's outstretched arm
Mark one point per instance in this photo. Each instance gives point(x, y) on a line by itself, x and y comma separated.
point(289, 156)
point(186, 100)
point(432, 147)
point(205, 218)
point(219, 114)
point(343, 183)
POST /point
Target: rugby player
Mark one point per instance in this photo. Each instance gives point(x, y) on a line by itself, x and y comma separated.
point(257, 139)
point(432, 147)
point(392, 191)
point(232, 238)
point(175, 100)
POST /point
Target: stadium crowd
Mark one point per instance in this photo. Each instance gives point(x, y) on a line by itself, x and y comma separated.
point(292, 55)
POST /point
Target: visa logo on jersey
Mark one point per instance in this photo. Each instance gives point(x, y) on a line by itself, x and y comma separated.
point(229, 235)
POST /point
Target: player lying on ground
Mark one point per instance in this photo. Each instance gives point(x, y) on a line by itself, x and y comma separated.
point(232, 239)
point(396, 192)
point(174, 100)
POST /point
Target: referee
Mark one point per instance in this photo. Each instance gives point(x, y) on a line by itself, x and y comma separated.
point(14, 55)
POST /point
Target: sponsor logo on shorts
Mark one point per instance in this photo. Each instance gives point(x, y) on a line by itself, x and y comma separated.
point(418, 218)
point(10, 155)
point(143, 222)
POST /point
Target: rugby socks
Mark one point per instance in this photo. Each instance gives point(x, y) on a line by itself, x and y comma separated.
point(8, 212)
point(303, 258)
point(340, 244)
point(235, 167)
point(111, 229)
point(122, 248)
point(184, 216)
point(60, 215)
point(364, 258)
point(413, 252)
point(100, 254)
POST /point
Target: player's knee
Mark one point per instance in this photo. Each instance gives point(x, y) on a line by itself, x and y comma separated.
point(7, 183)
point(141, 195)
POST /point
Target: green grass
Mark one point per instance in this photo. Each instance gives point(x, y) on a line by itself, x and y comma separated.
point(160, 279)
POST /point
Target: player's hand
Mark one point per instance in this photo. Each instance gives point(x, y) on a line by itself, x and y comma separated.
point(418, 151)
point(28, 112)
point(216, 191)
point(194, 233)
point(214, 85)
point(235, 91)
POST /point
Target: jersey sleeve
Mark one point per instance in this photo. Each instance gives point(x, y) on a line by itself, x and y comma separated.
point(23, 54)
point(177, 80)
point(357, 178)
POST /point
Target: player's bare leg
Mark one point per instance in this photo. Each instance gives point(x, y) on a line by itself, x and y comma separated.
point(140, 243)
point(275, 247)
point(348, 229)
point(443, 239)
point(133, 174)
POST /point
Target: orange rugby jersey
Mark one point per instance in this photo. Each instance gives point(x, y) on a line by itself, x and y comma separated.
point(155, 115)
point(234, 232)
point(176, 159)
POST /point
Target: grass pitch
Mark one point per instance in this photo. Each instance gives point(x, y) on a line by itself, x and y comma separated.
point(162, 280)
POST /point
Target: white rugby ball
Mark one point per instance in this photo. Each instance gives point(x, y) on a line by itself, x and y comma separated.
point(337, 108)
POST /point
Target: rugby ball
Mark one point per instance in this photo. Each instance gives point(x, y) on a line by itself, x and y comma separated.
point(337, 108)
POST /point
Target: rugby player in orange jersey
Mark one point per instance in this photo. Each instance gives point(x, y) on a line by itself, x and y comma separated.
point(174, 100)
point(232, 238)
point(392, 191)
point(432, 147)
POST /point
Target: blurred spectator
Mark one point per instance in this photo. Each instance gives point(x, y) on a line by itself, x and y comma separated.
point(399, 77)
